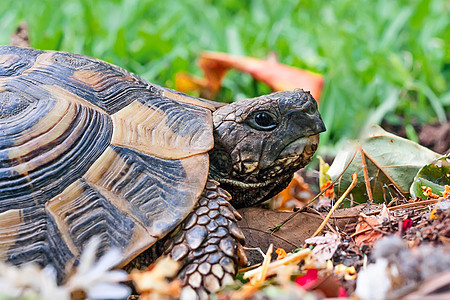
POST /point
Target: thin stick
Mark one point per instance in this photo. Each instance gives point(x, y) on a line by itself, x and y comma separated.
point(426, 202)
point(361, 231)
point(242, 270)
point(336, 205)
point(277, 227)
point(407, 205)
point(265, 264)
point(366, 175)
point(290, 258)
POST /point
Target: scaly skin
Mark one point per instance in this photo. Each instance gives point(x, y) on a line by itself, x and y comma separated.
point(208, 244)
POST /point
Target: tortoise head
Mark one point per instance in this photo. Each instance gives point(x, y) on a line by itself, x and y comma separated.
point(259, 143)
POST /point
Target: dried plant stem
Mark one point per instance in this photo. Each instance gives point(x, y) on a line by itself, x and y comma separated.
point(265, 264)
point(425, 202)
point(336, 205)
point(366, 174)
point(298, 256)
point(407, 205)
point(243, 270)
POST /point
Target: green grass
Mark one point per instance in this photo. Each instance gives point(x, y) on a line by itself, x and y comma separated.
point(382, 60)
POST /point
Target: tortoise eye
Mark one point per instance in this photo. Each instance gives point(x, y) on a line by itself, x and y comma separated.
point(263, 121)
point(310, 109)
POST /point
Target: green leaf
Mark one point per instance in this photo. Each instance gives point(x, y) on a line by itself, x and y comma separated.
point(435, 176)
point(399, 158)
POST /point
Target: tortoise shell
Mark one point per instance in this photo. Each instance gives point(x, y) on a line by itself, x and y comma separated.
point(87, 148)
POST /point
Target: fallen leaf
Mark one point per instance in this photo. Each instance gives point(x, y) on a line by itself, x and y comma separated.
point(427, 192)
point(399, 159)
point(276, 75)
point(371, 235)
point(432, 178)
point(323, 172)
point(384, 216)
point(446, 192)
point(325, 245)
point(255, 222)
point(329, 193)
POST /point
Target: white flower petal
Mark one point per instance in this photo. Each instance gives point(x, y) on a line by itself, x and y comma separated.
point(108, 291)
point(107, 261)
point(373, 282)
point(115, 276)
point(87, 258)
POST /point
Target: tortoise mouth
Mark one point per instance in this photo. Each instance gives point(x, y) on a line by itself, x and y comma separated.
point(297, 147)
point(265, 183)
point(294, 156)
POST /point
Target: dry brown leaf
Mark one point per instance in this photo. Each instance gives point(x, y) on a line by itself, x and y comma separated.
point(277, 76)
point(369, 236)
point(325, 245)
point(291, 236)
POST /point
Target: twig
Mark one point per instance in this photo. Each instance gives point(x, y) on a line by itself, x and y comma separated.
point(407, 205)
point(336, 205)
point(290, 258)
point(366, 175)
point(425, 202)
point(370, 228)
point(265, 264)
point(277, 227)
point(392, 201)
point(242, 270)
point(359, 232)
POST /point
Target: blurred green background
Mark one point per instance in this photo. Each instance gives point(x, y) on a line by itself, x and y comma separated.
point(383, 61)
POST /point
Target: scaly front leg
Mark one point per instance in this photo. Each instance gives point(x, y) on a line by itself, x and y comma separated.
point(208, 244)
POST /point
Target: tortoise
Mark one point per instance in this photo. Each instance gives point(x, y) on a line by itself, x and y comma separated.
point(90, 149)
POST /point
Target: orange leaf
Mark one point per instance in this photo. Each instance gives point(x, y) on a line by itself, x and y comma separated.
point(370, 236)
point(277, 76)
point(329, 192)
point(281, 253)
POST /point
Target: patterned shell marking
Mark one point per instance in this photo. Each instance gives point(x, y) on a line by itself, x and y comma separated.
point(87, 148)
